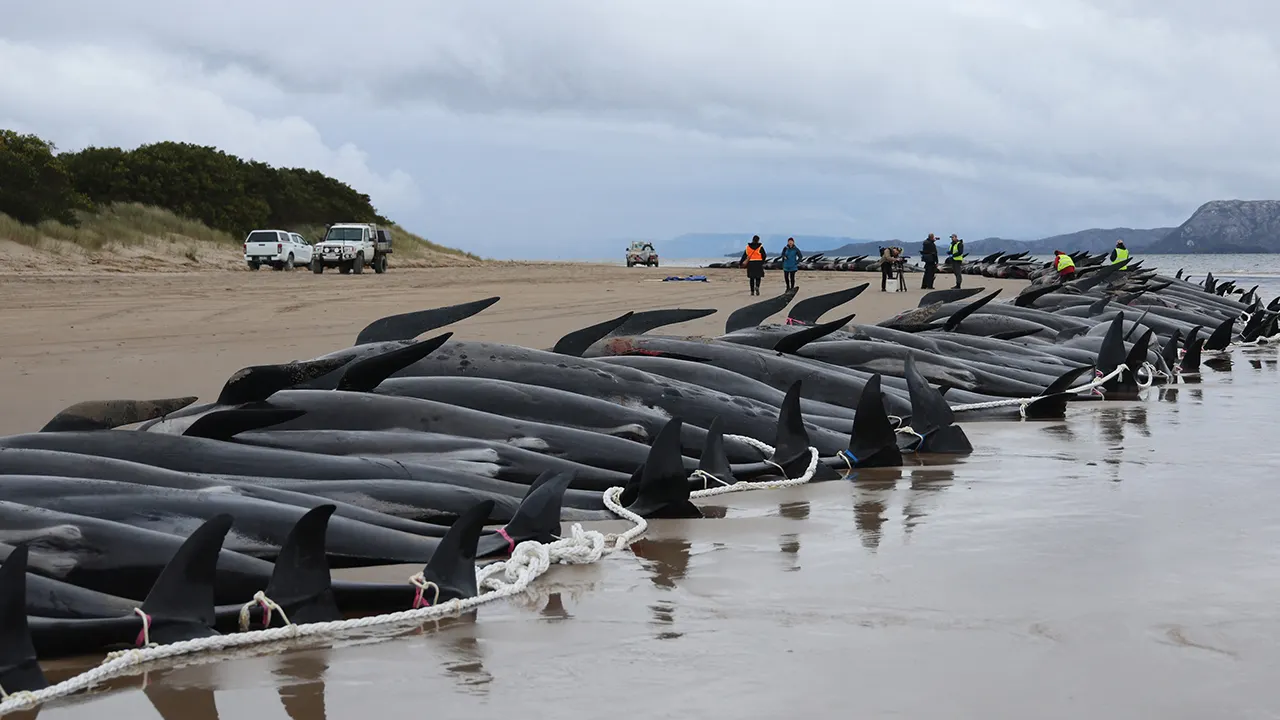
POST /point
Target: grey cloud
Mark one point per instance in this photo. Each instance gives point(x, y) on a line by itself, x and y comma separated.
point(1018, 116)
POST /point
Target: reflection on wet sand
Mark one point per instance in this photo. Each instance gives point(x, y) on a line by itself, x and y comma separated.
point(667, 560)
point(1059, 430)
point(789, 543)
point(925, 484)
point(463, 659)
point(181, 701)
point(301, 686)
point(870, 499)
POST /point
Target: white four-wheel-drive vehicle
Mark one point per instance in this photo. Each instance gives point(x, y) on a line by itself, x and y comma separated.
point(352, 246)
point(280, 249)
point(642, 253)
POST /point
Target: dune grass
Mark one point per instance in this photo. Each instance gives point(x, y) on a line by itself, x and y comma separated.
point(122, 223)
point(132, 223)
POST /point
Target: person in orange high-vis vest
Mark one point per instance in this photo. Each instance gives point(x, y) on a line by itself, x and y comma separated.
point(753, 260)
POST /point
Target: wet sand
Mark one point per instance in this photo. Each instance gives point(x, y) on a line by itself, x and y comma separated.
point(1119, 564)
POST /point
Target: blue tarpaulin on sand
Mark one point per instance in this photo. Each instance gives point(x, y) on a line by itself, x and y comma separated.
point(687, 278)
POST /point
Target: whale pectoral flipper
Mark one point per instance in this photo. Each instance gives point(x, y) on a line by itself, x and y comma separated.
point(793, 342)
point(807, 311)
point(749, 316)
point(111, 414)
point(226, 424)
point(576, 343)
point(958, 316)
point(407, 326)
point(19, 669)
point(366, 374)
point(642, 322)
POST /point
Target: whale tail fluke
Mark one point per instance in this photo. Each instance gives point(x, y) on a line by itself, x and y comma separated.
point(180, 603)
point(452, 566)
point(407, 326)
point(301, 582)
point(536, 518)
point(226, 424)
point(873, 442)
point(662, 488)
point(19, 669)
point(366, 374)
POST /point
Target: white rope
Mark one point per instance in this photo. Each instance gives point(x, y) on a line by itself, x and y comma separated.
point(503, 579)
point(1023, 403)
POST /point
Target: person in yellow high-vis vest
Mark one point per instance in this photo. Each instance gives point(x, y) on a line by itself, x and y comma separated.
point(1065, 266)
point(955, 257)
point(1120, 256)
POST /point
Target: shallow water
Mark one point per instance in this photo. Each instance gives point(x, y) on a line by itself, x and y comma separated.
point(1124, 563)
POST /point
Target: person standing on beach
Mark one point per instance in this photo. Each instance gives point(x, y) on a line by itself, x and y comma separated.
point(929, 256)
point(888, 256)
point(955, 256)
point(753, 260)
point(790, 263)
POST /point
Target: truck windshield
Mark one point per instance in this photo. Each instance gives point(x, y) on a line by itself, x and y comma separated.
point(340, 234)
point(264, 236)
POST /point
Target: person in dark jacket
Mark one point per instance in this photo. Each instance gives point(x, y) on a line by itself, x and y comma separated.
point(790, 263)
point(888, 258)
point(753, 260)
point(929, 256)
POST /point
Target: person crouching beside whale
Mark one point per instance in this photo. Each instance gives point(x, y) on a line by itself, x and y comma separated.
point(753, 260)
point(1065, 266)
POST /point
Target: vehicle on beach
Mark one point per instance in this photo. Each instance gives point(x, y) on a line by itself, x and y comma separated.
point(280, 249)
point(351, 246)
point(641, 252)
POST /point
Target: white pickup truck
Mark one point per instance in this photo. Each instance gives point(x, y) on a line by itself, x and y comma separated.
point(280, 249)
point(351, 246)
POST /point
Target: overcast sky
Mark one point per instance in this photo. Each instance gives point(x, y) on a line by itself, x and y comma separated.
point(555, 128)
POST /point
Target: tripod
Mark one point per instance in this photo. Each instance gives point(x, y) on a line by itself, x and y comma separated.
point(900, 267)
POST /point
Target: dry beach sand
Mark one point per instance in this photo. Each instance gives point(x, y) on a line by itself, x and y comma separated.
point(69, 337)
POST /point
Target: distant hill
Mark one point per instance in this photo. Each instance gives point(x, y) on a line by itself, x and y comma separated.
point(1227, 226)
point(1220, 226)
